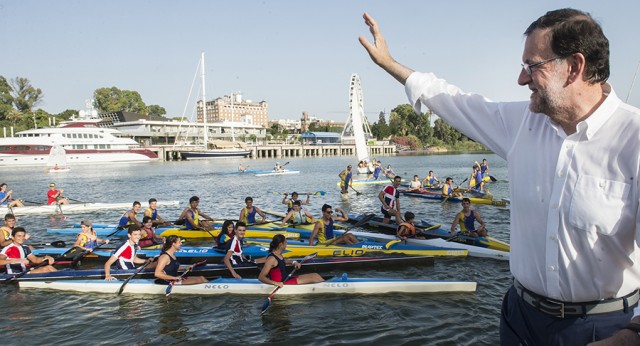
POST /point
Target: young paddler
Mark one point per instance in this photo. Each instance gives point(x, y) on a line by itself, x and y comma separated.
point(248, 213)
point(152, 211)
point(16, 255)
point(87, 239)
point(168, 266)
point(234, 255)
point(125, 256)
point(274, 270)
point(194, 218)
point(324, 228)
point(129, 217)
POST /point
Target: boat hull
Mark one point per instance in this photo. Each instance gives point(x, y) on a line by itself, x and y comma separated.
point(73, 208)
point(285, 172)
point(244, 269)
point(212, 154)
point(337, 285)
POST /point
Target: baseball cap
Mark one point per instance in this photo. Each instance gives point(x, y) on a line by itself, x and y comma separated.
point(52, 184)
point(86, 222)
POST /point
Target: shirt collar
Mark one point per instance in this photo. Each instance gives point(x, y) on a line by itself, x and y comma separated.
point(594, 122)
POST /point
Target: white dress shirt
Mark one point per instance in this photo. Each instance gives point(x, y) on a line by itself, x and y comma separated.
point(574, 199)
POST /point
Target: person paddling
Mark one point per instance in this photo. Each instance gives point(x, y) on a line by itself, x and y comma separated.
point(234, 255)
point(125, 255)
point(129, 217)
point(294, 197)
point(467, 219)
point(152, 211)
point(17, 255)
point(168, 266)
point(345, 180)
point(248, 213)
point(298, 216)
point(87, 239)
point(149, 236)
point(324, 228)
point(274, 270)
point(6, 197)
point(194, 218)
point(407, 229)
point(54, 196)
point(227, 231)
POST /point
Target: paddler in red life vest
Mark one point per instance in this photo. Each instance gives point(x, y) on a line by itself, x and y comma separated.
point(129, 217)
point(248, 213)
point(152, 211)
point(54, 196)
point(467, 219)
point(16, 255)
point(194, 218)
point(125, 256)
point(149, 236)
point(324, 228)
point(274, 270)
point(407, 229)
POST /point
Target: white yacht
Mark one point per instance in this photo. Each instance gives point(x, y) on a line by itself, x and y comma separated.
point(83, 141)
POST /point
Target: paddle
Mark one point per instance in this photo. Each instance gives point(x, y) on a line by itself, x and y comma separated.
point(41, 264)
point(317, 193)
point(365, 219)
point(57, 243)
point(171, 283)
point(31, 202)
point(134, 274)
point(75, 200)
point(267, 302)
point(391, 243)
point(78, 257)
point(493, 178)
point(357, 192)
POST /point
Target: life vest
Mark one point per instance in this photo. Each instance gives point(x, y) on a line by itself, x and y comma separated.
point(196, 220)
point(147, 238)
point(468, 222)
point(6, 232)
point(86, 242)
point(409, 230)
point(153, 212)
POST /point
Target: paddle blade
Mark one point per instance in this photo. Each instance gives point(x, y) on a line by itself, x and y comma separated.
point(168, 290)
point(265, 305)
point(58, 243)
point(366, 218)
point(493, 178)
point(319, 193)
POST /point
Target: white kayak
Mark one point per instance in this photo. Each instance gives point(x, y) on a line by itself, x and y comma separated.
point(285, 172)
point(73, 208)
point(336, 285)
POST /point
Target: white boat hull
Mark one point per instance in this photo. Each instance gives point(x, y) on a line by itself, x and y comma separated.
point(286, 172)
point(76, 158)
point(253, 286)
point(73, 208)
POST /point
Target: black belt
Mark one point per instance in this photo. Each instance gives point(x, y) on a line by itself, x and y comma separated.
point(562, 309)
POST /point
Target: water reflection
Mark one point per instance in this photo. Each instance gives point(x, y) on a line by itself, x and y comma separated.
point(275, 322)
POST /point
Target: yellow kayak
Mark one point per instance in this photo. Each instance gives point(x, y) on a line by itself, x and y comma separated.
point(357, 250)
point(191, 234)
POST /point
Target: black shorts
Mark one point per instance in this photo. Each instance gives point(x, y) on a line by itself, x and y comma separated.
point(385, 213)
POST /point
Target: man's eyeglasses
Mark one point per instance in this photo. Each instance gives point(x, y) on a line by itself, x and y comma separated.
point(528, 68)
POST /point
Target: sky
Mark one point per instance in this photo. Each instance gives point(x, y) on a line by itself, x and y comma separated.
point(296, 55)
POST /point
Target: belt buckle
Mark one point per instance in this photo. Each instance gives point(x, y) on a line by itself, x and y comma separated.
point(551, 307)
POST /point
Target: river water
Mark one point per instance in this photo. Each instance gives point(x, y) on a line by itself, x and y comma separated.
point(47, 317)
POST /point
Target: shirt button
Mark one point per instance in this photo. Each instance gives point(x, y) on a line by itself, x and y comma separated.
point(553, 237)
point(559, 173)
point(551, 268)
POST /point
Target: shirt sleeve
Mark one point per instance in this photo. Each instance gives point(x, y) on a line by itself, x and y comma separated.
point(494, 124)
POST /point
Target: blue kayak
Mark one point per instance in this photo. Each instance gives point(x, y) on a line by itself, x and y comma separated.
point(184, 252)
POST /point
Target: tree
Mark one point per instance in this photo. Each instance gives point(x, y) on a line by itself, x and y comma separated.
point(380, 129)
point(155, 110)
point(112, 99)
point(404, 121)
point(25, 96)
point(6, 100)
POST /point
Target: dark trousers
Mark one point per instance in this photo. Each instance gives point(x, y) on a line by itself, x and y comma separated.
point(522, 324)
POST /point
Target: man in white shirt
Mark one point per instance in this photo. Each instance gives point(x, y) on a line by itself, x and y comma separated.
point(574, 218)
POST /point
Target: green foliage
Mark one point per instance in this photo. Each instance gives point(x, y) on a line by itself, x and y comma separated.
point(6, 100)
point(25, 96)
point(410, 141)
point(380, 129)
point(112, 99)
point(155, 110)
point(404, 121)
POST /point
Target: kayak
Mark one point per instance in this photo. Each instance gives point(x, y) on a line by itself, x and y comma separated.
point(276, 224)
point(438, 197)
point(270, 173)
point(250, 233)
point(183, 233)
point(362, 249)
point(186, 252)
point(434, 235)
point(248, 268)
point(374, 247)
point(381, 180)
point(335, 285)
point(73, 208)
